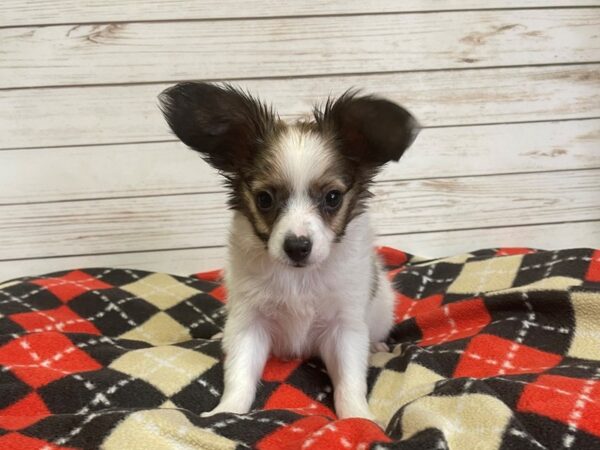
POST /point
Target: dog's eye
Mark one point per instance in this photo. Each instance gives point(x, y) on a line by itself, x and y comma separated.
point(333, 199)
point(264, 200)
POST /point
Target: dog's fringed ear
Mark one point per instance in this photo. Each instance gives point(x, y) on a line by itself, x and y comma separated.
point(224, 124)
point(370, 130)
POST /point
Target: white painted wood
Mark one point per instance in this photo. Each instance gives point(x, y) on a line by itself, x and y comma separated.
point(178, 262)
point(161, 231)
point(115, 114)
point(24, 12)
point(436, 244)
point(448, 243)
point(170, 168)
point(157, 51)
point(198, 220)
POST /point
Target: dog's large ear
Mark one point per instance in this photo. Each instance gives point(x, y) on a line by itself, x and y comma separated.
point(224, 124)
point(370, 130)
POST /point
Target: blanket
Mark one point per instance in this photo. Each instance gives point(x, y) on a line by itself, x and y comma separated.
point(496, 349)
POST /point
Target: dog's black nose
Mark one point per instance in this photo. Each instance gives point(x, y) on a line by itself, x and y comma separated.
point(297, 247)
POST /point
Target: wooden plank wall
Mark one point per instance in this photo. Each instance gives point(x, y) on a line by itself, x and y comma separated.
point(508, 92)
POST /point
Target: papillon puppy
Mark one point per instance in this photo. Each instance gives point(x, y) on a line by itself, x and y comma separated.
point(302, 275)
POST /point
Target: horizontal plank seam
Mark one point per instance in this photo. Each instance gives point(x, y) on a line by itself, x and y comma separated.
point(120, 197)
point(499, 174)
point(516, 122)
point(224, 190)
point(75, 255)
point(516, 225)
point(295, 77)
point(304, 16)
point(423, 127)
point(159, 141)
point(207, 247)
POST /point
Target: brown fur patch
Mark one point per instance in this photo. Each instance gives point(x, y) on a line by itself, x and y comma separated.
point(264, 175)
point(260, 176)
point(237, 134)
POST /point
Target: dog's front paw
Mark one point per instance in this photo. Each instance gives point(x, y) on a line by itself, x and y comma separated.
point(347, 409)
point(379, 347)
point(226, 407)
point(358, 413)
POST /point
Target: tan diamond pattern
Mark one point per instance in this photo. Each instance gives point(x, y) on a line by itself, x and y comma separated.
point(160, 329)
point(167, 368)
point(485, 276)
point(468, 421)
point(400, 388)
point(160, 289)
point(163, 429)
point(586, 342)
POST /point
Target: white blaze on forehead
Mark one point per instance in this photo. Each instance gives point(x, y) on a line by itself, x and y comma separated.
point(301, 157)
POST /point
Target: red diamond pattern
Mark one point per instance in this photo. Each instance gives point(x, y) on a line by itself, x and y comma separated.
point(278, 369)
point(319, 433)
point(407, 307)
point(392, 257)
point(60, 319)
point(593, 273)
point(293, 435)
point(213, 276)
point(453, 321)
point(40, 358)
point(488, 356)
point(564, 399)
point(69, 286)
point(16, 441)
point(23, 413)
point(507, 251)
point(288, 397)
point(219, 293)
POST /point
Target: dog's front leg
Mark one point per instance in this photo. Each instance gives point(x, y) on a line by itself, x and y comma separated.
point(246, 345)
point(345, 352)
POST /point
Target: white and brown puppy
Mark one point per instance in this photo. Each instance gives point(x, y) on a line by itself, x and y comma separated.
point(302, 276)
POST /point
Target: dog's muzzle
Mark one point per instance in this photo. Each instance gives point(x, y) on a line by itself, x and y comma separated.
point(297, 248)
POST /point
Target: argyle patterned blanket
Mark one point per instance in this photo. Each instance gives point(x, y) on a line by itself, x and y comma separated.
point(497, 349)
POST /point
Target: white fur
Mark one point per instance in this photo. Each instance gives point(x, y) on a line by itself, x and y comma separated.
point(325, 308)
point(301, 158)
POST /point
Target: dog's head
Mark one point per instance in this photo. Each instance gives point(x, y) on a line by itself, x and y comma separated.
point(298, 184)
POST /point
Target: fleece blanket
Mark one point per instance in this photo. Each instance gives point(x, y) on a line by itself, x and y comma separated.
point(497, 349)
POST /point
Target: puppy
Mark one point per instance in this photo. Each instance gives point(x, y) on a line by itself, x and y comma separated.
point(302, 275)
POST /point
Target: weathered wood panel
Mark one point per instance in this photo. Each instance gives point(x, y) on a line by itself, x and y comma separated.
point(178, 262)
point(435, 244)
point(447, 243)
point(121, 48)
point(25, 12)
point(158, 51)
point(198, 220)
point(71, 173)
point(115, 114)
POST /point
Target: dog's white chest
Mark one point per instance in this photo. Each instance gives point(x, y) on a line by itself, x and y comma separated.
point(291, 304)
point(293, 336)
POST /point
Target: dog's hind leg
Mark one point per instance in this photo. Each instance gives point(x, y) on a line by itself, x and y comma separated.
point(380, 314)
